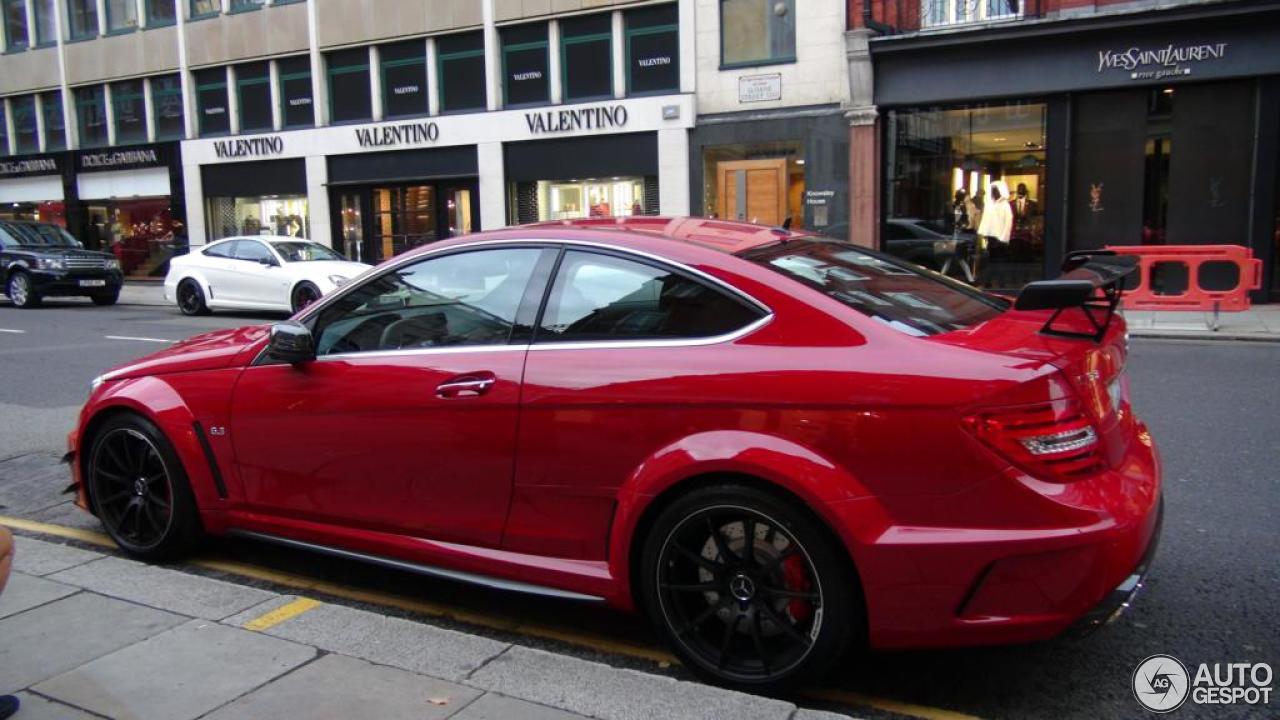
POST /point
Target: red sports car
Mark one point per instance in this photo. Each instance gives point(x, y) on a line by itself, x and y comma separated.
point(777, 446)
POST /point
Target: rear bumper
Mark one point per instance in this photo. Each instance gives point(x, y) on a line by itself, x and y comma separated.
point(1122, 597)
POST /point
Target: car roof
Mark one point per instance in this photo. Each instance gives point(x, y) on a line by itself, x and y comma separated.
point(727, 236)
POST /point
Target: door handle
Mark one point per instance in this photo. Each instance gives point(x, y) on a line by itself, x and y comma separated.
point(470, 385)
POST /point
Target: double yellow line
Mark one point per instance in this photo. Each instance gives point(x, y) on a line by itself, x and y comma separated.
point(437, 610)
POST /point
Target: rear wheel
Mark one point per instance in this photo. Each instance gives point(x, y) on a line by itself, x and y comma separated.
point(749, 588)
point(303, 295)
point(21, 290)
point(139, 490)
point(191, 298)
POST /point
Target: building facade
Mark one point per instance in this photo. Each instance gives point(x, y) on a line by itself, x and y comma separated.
point(1110, 123)
point(373, 127)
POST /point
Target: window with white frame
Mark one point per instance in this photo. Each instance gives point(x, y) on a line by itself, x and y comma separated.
point(939, 13)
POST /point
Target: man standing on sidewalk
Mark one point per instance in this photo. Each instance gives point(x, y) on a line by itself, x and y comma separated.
point(8, 703)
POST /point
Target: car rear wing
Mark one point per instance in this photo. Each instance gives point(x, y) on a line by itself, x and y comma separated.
point(1092, 280)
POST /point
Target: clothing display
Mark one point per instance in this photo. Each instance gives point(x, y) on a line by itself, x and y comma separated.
point(997, 216)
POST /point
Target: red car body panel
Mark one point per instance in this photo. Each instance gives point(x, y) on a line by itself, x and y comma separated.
point(551, 477)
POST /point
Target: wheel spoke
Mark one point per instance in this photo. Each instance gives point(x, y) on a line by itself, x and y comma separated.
point(782, 592)
point(722, 548)
point(113, 477)
point(709, 565)
point(729, 630)
point(160, 502)
point(699, 619)
point(692, 587)
point(114, 454)
point(749, 535)
point(144, 455)
point(156, 525)
point(114, 497)
point(773, 563)
point(758, 641)
point(785, 626)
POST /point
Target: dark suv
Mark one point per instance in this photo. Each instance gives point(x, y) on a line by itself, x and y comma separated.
point(39, 260)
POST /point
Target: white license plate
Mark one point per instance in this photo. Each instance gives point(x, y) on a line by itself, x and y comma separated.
point(93, 283)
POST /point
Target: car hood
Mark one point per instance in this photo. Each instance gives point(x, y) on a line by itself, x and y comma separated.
point(207, 351)
point(62, 252)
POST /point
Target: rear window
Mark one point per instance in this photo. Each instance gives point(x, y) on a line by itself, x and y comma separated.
point(892, 292)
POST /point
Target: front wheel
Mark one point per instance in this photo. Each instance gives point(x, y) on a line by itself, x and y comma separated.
point(303, 295)
point(139, 490)
point(749, 588)
point(191, 298)
point(106, 298)
point(21, 290)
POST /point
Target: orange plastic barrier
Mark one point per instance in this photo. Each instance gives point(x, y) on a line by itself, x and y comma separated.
point(1191, 277)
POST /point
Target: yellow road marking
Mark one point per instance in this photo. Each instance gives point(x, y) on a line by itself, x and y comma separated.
point(431, 609)
point(287, 611)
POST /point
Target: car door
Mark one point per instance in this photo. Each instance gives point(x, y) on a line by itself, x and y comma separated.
point(217, 265)
point(257, 278)
point(406, 421)
point(627, 357)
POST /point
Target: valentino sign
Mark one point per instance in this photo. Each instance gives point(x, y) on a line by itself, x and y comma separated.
point(592, 118)
point(1156, 63)
point(402, 134)
point(252, 147)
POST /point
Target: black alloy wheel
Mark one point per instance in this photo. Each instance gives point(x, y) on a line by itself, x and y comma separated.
point(191, 298)
point(21, 290)
point(139, 490)
point(748, 588)
point(303, 295)
point(106, 298)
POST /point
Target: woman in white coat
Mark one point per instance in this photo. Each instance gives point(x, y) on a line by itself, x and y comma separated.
point(996, 225)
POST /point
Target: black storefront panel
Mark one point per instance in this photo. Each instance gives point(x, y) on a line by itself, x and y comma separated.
point(211, 102)
point(404, 79)
point(461, 69)
point(266, 177)
point(297, 107)
point(607, 155)
point(1210, 167)
point(24, 124)
point(587, 57)
point(1107, 164)
point(403, 166)
point(526, 73)
point(253, 85)
point(653, 50)
point(350, 93)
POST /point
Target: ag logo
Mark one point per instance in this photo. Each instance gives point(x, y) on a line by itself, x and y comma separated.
point(1161, 683)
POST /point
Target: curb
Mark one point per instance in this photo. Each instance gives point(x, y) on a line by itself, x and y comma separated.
point(1208, 336)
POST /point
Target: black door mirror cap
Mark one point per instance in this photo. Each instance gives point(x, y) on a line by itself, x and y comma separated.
point(291, 342)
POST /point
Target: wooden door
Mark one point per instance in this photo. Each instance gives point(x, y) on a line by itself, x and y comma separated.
point(753, 190)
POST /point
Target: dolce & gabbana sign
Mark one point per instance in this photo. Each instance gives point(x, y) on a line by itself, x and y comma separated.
point(601, 117)
point(119, 159)
point(29, 166)
point(1160, 62)
point(249, 147)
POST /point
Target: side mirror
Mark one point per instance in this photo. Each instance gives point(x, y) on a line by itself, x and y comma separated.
point(291, 342)
point(268, 261)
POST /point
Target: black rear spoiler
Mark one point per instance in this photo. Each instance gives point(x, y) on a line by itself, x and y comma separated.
point(1092, 280)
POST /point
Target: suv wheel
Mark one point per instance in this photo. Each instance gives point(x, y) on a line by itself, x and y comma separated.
point(21, 290)
point(106, 298)
point(749, 588)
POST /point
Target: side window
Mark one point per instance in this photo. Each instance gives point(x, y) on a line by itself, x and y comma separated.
point(601, 297)
point(468, 298)
point(221, 250)
point(252, 250)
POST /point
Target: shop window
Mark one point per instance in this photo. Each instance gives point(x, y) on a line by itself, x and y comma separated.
point(4, 131)
point(161, 12)
point(130, 112)
point(166, 104)
point(586, 57)
point(46, 22)
point(15, 24)
point(936, 13)
point(205, 8)
point(573, 199)
point(211, 101)
point(296, 107)
point(460, 64)
point(760, 183)
point(601, 297)
point(91, 116)
point(122, 15)
point(653, 50)
point(242, 5)
point(968, 185)
point(139, 232)
point(253, 90)
point(55, 124)
point(757, 32)
point(26, 135)
point(82, 19)
point(283, 215)
point(350, 99)
point(525, 72)
point(404, 78)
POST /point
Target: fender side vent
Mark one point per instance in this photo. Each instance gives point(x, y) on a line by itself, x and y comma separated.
point(209, 458)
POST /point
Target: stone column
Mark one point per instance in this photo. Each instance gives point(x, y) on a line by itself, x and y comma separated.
point(864, 142)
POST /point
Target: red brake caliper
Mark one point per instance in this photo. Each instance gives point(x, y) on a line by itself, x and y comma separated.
point(796, 578)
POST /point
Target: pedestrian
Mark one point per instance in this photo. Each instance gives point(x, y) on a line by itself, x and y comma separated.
point(8, 703)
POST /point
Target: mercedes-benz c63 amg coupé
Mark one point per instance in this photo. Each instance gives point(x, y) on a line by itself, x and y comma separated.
point(777, 446)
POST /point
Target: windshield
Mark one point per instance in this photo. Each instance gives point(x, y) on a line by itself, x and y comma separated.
point(304, 251)
point(40, 234)
point(906, 298)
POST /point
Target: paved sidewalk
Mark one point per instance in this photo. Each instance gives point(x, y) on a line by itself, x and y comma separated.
point(1259, 323)
point(83, 635)
point(143, 293)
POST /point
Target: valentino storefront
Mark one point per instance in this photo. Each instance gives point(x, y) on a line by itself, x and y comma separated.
point(126, 200)
point(1154, 128)
point(377, 189)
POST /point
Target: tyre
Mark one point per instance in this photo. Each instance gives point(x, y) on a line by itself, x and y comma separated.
point(757, 615)
point(21, 291)
point(139, 490)
point(304, 293)
point(107, 298)
point(191, 298)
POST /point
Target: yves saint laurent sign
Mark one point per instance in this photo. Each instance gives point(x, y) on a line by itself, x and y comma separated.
point(30, 166)
point(413, 133)
point(602, 117)
point(1159, 62)
point(250, 147)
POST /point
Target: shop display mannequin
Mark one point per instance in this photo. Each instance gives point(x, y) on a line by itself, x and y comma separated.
point(996, 226)
point(1024, 208)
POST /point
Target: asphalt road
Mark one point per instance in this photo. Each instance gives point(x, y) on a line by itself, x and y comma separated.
point(1214, 409)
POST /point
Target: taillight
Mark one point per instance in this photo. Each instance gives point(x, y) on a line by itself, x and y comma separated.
point(1053, 440)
